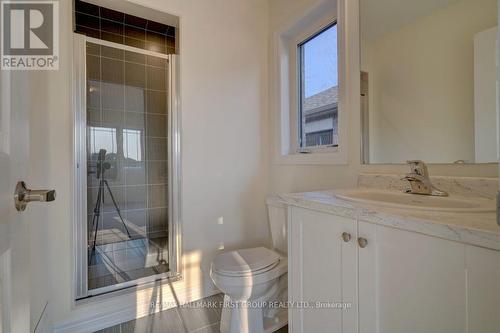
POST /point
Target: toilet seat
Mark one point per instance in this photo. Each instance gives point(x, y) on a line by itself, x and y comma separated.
point(245, 262)
point(250, 278)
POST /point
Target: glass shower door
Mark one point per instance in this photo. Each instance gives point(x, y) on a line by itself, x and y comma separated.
point(127, 140)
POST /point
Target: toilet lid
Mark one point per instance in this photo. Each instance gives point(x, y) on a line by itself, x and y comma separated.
point(245, 260)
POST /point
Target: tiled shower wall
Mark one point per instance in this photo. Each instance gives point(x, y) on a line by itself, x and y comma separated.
point(127, 106)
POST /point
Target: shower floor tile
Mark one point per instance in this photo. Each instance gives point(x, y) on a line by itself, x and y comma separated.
point(127, 260)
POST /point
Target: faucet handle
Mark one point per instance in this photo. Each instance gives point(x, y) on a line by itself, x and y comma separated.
point(419, 167)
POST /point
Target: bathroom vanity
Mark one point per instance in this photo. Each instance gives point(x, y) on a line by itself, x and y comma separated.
point(358, 265)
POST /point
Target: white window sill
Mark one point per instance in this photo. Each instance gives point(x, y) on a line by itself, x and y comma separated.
point(332, 157)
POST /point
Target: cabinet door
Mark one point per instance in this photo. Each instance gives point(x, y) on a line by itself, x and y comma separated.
point(483, 289)
point(322, 268)
point(410, 283)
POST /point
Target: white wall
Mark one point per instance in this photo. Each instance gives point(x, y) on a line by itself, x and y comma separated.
point(292, 178)
point(421, 82)
point(485, 95)
point(223, 55)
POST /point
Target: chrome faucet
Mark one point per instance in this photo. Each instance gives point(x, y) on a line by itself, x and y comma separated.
point(419, 180)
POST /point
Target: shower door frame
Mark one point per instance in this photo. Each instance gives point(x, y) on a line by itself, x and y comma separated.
point(79, 173)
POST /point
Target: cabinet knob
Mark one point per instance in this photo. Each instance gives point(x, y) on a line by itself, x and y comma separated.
point(363, 242)
point(346, 236)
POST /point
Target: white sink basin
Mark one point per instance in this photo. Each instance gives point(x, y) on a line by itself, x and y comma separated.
point(416, 202)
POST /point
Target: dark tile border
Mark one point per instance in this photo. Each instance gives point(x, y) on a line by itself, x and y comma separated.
point(111, 25)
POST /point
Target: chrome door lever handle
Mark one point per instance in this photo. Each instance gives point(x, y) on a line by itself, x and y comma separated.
point(23, 195)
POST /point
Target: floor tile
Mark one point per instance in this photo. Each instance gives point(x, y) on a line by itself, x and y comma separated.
point(214, 328)
point(199, 314)
point(197, 317)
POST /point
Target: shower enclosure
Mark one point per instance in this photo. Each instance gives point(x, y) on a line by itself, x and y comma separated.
point(127, 154)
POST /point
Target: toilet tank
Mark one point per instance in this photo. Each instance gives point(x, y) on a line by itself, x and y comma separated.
point(277, 213)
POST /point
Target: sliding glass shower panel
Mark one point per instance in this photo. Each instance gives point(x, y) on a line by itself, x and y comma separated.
point(127, 167)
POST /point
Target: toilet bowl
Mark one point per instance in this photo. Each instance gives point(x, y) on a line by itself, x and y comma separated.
point(254, 282)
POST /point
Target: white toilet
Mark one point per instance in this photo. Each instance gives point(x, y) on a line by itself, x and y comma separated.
point(254, 282)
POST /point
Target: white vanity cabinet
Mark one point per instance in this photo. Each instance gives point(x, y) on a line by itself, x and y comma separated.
point(483, 292)
point(398, 281)
point(323, 268)
point(409, 282)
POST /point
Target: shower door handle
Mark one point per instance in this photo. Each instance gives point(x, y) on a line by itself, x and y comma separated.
point(23, 195)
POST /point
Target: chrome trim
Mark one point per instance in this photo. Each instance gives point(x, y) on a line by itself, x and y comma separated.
point(78, 172)
point(125, 47)
point(175, 169)
point(79, 181)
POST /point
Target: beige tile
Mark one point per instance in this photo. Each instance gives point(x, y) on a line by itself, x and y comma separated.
point(135, 75)
point(135, 99)
point(214, 328)
point(156, 149)
point(156, 61)
point(112, 95)
point(136, 197)
point(93, 94)
point(93, 117)
point(134, 120)
point(157, 220)
point(135, 57)
point(112, 52)
point(112, 71)
point(186, 320)
point(156, 78)
point(166, 321)
point(114, 175)
point(198, 315)
point(112, 118)
point(156, 125)
point(93, 68)
point(157, 172)
point(157, 196)
point(156, 101)
point(136, 175)
point(93, 49)
point(119, 196)
point(111, 222)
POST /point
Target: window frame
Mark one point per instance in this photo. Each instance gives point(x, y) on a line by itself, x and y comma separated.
point(300, 93)
point(284, 93)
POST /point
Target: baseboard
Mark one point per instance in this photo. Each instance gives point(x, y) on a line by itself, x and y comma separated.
point(97, 322)
point(121, 313)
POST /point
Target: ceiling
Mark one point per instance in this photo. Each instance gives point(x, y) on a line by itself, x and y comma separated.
point(379, 17)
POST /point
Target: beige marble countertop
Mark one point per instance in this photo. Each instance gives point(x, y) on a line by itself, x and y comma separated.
point(478, 229)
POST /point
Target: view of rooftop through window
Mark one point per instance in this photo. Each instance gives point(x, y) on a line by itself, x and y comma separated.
point(318, 84)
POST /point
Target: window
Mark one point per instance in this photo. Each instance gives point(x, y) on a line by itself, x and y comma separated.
point(132, 144)
point(318, 90)
point(102, 138)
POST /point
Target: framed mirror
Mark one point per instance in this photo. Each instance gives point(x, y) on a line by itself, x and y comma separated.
point(428, 81)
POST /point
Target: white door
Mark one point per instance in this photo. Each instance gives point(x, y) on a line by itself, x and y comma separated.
point(322, 268)
point(23, 235)
point(410, 282)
